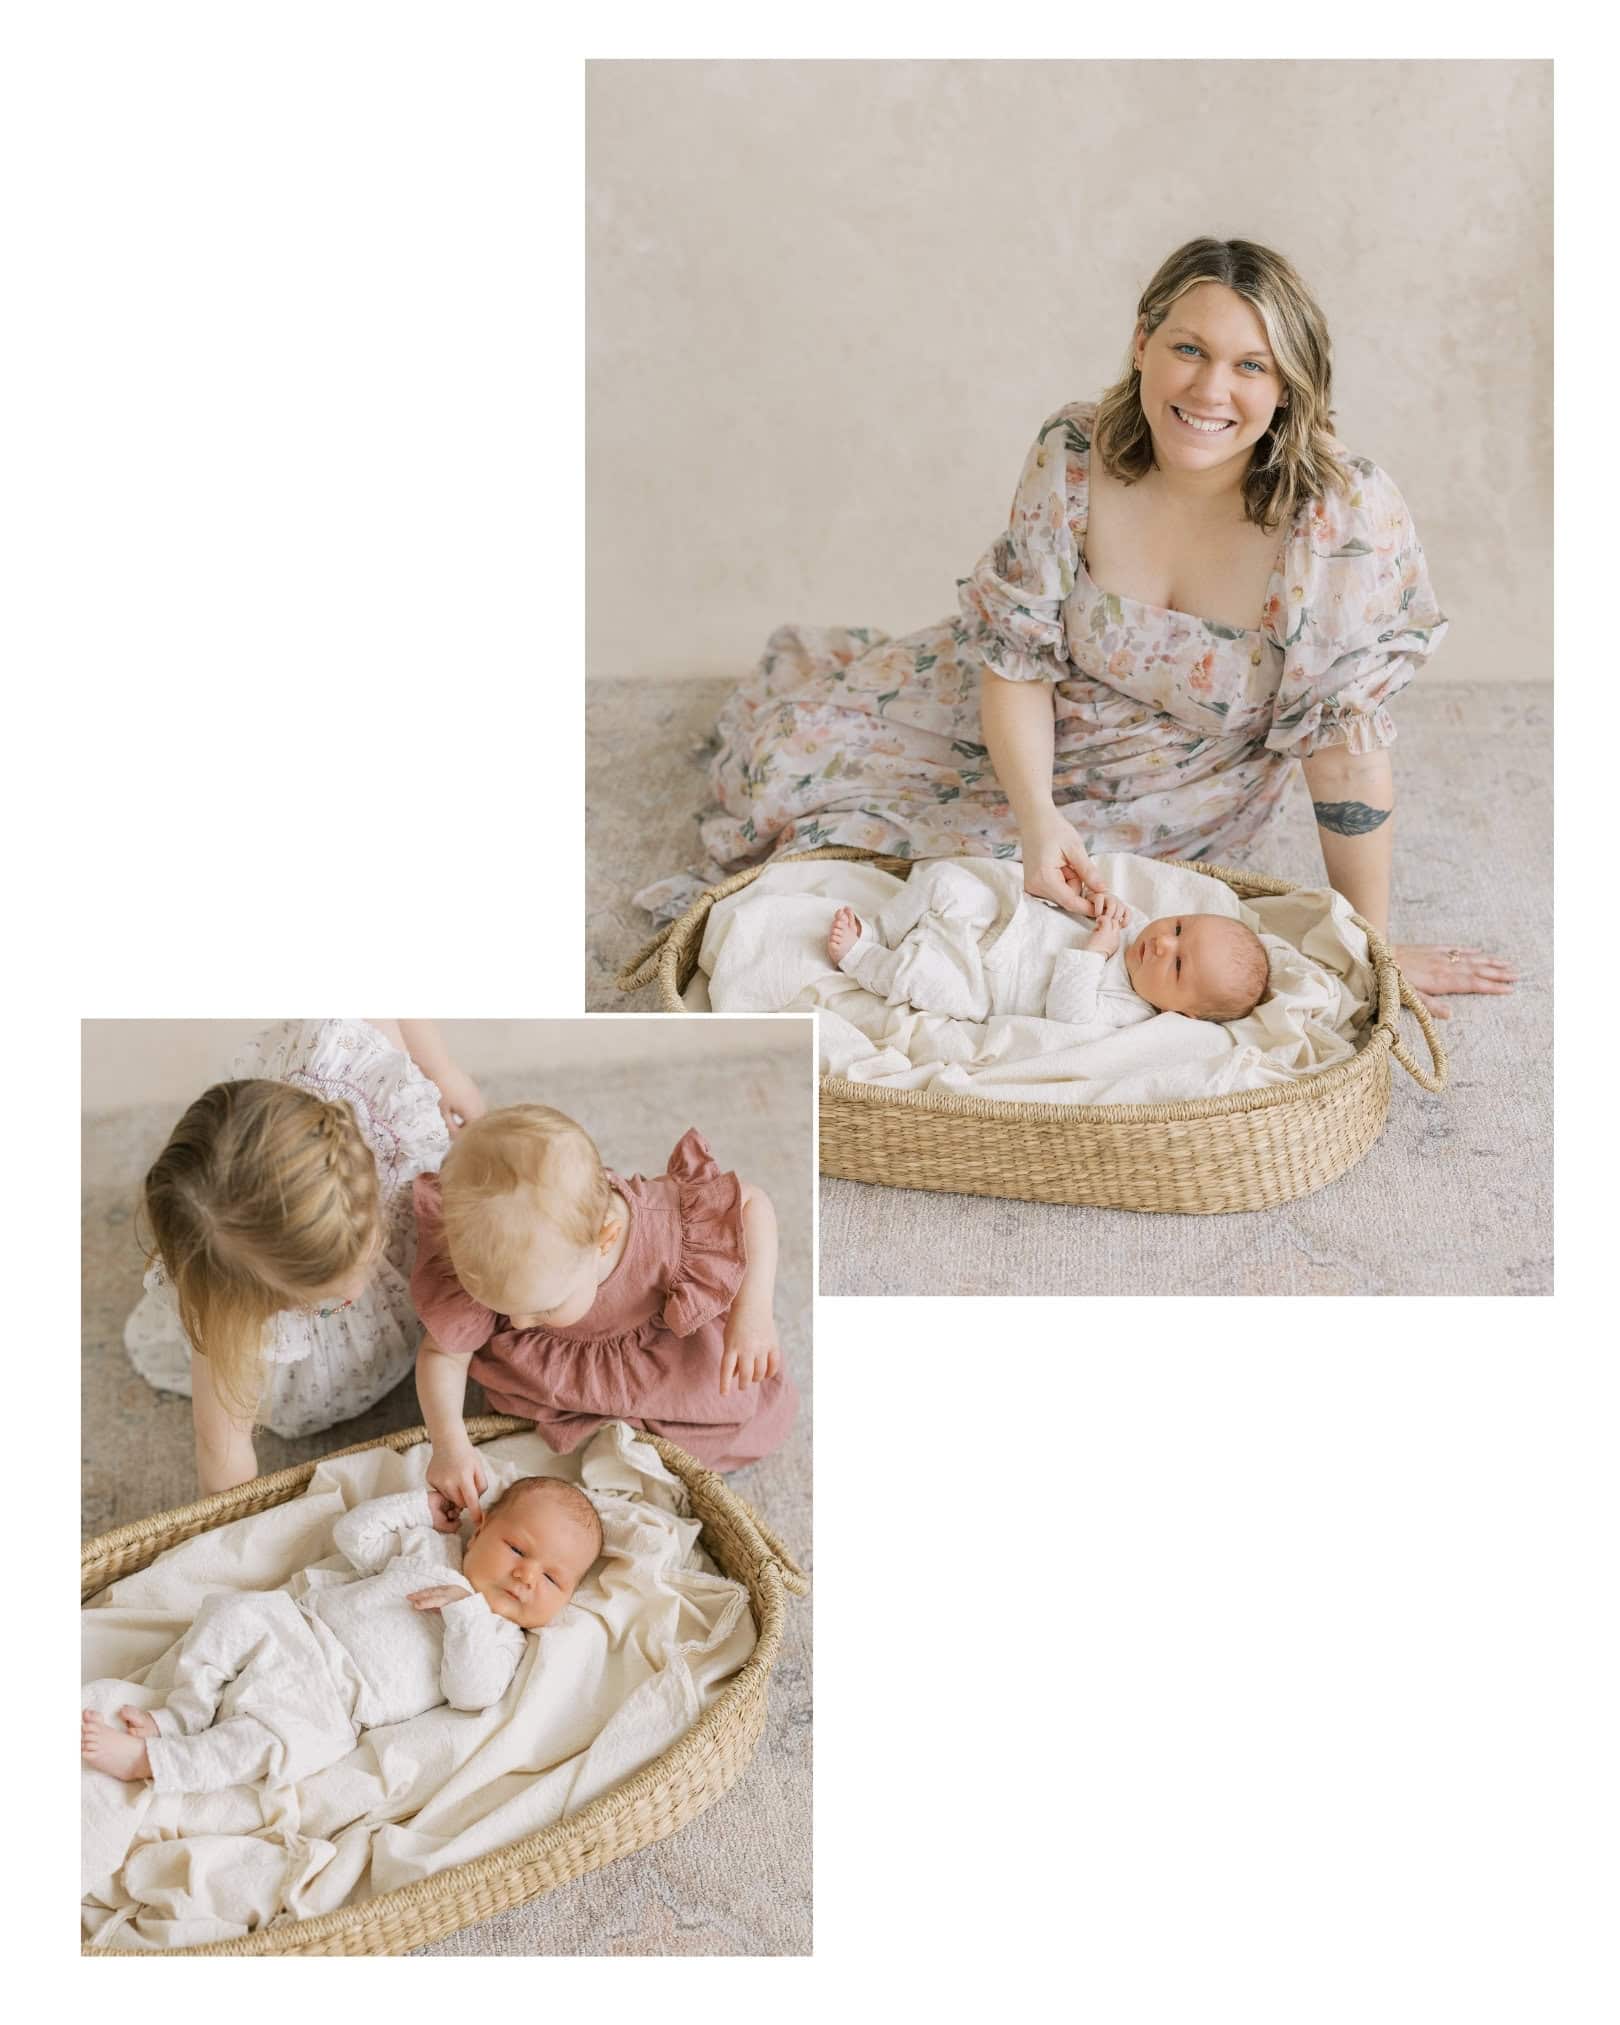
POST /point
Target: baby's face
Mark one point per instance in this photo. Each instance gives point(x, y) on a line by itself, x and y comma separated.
point(527, 1559)
point(1171, 962)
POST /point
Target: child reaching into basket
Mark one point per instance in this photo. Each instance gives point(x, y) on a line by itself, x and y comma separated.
point(269, 1687)
point(283, 1235)
point(942, 946)
point(575, 1295)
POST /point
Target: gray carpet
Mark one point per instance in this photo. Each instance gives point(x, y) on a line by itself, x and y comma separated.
point(737, 1880)
point(1456, 1196)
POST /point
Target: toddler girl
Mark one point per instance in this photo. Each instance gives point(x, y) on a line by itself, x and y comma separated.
point(576, 1296)
point(283, 1236)
point(942, 945)
point(269, 1687)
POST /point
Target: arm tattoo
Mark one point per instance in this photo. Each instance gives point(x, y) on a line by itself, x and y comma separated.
point(1349, 819)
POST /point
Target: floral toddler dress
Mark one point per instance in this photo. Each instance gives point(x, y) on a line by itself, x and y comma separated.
point(320, 1369)
point(648, 1350)
point(1173, 734)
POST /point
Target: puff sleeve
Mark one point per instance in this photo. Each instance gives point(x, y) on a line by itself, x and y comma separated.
point(714, 1254)
point(456, 1322)
point(1012, 604)
point(1356, 618)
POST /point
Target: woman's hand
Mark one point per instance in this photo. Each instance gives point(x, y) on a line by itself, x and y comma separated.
point(1431, 968)
point(752, 1353)
point(1057, 866)
point(458, 1476)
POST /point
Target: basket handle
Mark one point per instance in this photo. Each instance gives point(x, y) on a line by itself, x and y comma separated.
point(769, 1547)
point(1397, 1047)
point(639, 970)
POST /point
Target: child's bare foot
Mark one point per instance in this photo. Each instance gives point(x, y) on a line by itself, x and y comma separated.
point(843, 935)
point(113, 1751)
point(139, 1722)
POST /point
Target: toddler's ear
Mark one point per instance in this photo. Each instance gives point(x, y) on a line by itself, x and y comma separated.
point(607, 1235)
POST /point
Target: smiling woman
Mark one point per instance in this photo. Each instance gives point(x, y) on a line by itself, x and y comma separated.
point(1198, 586)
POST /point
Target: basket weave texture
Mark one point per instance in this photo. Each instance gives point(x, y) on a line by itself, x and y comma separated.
point(1207, 1156)
point(657, 1800)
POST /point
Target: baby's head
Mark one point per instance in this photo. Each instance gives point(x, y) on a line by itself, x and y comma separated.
point(528, 1214)
point(264, 1199)
point(1207, 966)
point(532, 1548)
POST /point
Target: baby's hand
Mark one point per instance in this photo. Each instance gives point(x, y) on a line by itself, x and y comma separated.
point(459, 1477)
point(436, 1599)
point(446, 1516)
point(752, 1353)
point(1110, 923)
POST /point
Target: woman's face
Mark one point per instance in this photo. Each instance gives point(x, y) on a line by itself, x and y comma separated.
point(1207, 364)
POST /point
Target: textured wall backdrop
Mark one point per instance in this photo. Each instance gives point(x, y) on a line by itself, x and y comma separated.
point(830, 303)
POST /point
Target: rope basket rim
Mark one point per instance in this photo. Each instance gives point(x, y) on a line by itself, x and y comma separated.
point(770, 1576)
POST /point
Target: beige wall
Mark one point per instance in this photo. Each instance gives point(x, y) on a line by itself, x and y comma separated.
point(830, 303)
point(171, 1061)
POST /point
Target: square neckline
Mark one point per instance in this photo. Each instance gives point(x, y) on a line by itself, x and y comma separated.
point(1218, 627)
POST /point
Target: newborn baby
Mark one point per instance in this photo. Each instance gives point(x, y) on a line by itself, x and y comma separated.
point(266, 1686)
point(942, 946)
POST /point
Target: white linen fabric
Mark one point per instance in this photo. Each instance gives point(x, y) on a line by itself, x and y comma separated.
point(320, 1369)
point(765, 950)
point(648, 1642)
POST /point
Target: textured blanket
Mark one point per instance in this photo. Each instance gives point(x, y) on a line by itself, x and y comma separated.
point(646, 1645)
point(765, 950)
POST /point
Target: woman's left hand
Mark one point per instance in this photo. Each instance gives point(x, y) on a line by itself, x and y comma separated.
point(1432, 968)
point(460, 1099)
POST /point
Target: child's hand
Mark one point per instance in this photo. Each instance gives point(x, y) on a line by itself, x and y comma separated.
point(460, 1099)
point(752, 1353)
point(459, 1477)
point(436, 1599)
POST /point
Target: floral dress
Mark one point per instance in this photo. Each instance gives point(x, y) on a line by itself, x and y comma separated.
point(321, 1369)
point(1173, 734)
point(648, 1350)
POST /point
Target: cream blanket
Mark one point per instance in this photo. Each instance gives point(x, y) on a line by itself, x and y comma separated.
point(646, 1645)
point(765, 950)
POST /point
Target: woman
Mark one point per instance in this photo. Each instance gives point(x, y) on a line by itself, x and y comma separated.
point(1197, 586)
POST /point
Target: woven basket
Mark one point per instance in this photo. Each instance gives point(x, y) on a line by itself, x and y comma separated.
point(1205, 1157)
point(663, 1796)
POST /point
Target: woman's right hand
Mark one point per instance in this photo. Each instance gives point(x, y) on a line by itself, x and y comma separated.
point(1057, 866)
point(458, 1476)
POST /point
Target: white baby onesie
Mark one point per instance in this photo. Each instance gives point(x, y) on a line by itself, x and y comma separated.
point(963, 939)
point(269, 1687)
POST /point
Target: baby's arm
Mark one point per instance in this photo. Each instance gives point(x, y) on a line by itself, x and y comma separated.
point(1077, 976)
point(369, 1536)
point(752, 1352)
point(481, 1653)
point(225, 1455)
point(441, 1389)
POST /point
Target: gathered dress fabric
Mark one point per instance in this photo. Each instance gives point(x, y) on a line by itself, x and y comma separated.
point(649, 1349)
point(320, 1369)
point(1173, 734)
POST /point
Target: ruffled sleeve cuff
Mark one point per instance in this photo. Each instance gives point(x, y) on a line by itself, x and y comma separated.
point(458, 1324)
point(1358, 619)
point(1012, 604)
point(714, 1253)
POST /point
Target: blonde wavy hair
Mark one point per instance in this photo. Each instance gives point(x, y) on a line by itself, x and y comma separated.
point(506, 1171)
point(1295, 461)
point(265, 1196)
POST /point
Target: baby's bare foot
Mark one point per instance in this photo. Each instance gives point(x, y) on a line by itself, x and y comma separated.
point(139, 1722)
point(843, 935)
point(113, 1751)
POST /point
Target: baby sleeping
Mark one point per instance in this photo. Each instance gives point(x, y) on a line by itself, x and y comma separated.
point(269, 1687)
point(1036, 959)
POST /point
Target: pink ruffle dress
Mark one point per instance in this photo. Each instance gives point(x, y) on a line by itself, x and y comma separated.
point(648, 1351)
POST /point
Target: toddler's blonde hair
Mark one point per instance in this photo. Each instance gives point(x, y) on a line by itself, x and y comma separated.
point(505, 1171)
point(264, 1196)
